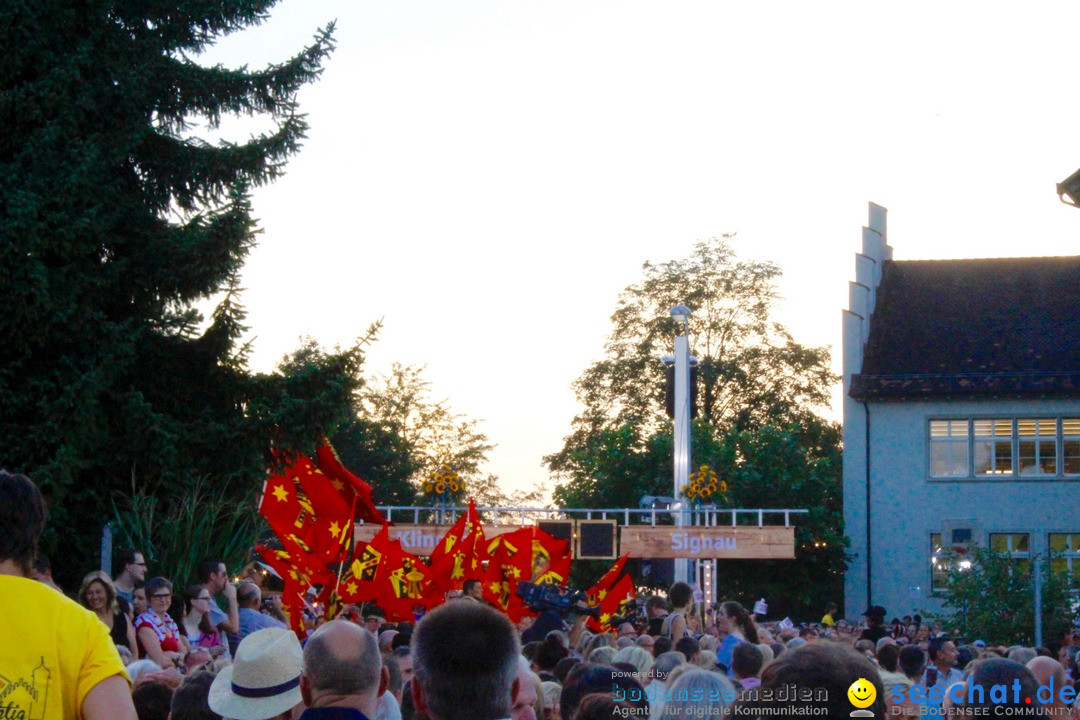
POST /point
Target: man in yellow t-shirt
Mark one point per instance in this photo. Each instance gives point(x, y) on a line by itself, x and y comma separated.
point(830, 615)
point(58, 660)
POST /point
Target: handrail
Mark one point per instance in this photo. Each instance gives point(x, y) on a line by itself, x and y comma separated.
point(708, 517)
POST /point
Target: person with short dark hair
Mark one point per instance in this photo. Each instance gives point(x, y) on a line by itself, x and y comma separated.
point(191, 701)
point(215, 577)
point(662, 645)
point(1007, 673)
point(58, 659)
point(587, 678)
point(689, 647)
point(829, 619)
point(656, 611)
point(746, 662)
point(941, 671)
point(912, 662)
point(152, 700)
point(682, 600)
point(343, 673)
point(465, 663)
point(473, 588)
point(129, 572)
point(824, 670)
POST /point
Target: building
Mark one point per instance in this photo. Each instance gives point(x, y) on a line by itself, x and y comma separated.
point(961, 417)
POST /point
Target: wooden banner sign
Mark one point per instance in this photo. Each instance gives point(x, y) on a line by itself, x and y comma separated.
point(726, 543)
point(421, 539)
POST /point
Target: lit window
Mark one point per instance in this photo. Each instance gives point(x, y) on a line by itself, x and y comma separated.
point(1070, 437)
point(949, 448)
point(1015, 544)
point(1038, 446)
point(993, 447)
point(944, 561)
point(1065, 553)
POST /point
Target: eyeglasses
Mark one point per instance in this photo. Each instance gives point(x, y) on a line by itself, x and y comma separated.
point(203, 597)
point(161, 596)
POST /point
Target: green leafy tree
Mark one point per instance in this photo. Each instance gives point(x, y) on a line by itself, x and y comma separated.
point(757, 393)
point(993, 598)
point(400, 434)
point(116, 221)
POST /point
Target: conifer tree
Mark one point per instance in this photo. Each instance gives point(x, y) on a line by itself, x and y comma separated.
point(116, 219)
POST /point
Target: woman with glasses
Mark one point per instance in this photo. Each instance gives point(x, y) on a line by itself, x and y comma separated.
point(99, 594)
point(200, 633)
point(158, 635)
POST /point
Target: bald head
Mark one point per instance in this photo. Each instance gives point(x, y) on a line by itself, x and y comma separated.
point(342, 662)
point(1048, 670)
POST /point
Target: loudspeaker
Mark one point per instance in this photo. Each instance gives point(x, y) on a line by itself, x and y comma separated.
point(596, 540)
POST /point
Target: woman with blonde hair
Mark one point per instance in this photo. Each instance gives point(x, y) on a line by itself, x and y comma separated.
point(639, 657)
point(98, 594)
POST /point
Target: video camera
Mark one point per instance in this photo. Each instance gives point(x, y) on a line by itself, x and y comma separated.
point(561, 600)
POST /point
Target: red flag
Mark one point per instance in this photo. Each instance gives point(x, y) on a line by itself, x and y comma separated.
point(348, 485)
point(610, 606)
point(299, 574)
point(550, 558)
point(408, 585)
point(475, 547)
point(368, 569)
point(510, 564)
point(298, 507)
point(448, 558)
point(598, 591)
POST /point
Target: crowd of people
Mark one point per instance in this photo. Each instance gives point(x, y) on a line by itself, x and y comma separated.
point(138, 649)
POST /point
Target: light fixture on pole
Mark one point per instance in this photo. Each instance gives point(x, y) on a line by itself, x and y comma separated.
point(681, 315)
point(1069, 190)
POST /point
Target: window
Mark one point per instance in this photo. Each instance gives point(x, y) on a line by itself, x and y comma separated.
point(1015, 544)
point(1038, 446)
point(1065, 553)
point(944, 560)
point(1070, 443)
point(1005, 448)
point(949, 448)
point(993, 447)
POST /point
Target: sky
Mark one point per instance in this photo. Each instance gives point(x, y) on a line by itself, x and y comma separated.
point(487, 176)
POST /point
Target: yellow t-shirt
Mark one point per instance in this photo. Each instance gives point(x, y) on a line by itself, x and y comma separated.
point(54, 651)
point(828, 621)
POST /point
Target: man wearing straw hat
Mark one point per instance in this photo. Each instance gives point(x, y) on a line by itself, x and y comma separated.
point(264, 680)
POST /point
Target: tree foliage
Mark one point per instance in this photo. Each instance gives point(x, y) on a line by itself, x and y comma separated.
point(993, 598)
point(757, 392)
point(116, 221)
point(400, 434)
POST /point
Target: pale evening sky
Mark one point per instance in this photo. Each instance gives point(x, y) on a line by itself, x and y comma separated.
point(487, 176)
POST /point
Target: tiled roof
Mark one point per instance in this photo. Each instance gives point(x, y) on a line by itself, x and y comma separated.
point(992, 327)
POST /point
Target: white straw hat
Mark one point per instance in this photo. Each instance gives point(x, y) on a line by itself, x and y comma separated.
point(264, 678)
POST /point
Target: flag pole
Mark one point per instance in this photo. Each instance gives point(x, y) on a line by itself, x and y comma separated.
point(345, 539)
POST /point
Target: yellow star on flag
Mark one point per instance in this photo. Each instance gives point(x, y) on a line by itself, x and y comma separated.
point(334, 529)
point(351, 587)
point(601, 595)
point(604, 617)
point(338, 485)
point(281, 493)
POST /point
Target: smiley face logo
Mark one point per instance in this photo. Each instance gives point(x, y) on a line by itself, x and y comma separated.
point(862, 693)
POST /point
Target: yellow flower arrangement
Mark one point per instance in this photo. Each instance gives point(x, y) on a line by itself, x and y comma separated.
point(443, 484)
point(703, 485)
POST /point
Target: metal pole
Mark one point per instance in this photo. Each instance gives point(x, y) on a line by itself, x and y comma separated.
point(682, 425)
point(1038, 601)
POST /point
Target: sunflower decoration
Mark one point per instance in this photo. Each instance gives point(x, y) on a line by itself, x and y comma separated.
point(704, 485)
point(444, 485)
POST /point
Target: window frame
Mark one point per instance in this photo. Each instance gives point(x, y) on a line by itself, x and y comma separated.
point(950, 441)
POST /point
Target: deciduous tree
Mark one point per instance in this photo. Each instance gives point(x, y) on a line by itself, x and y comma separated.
point(758, 391)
